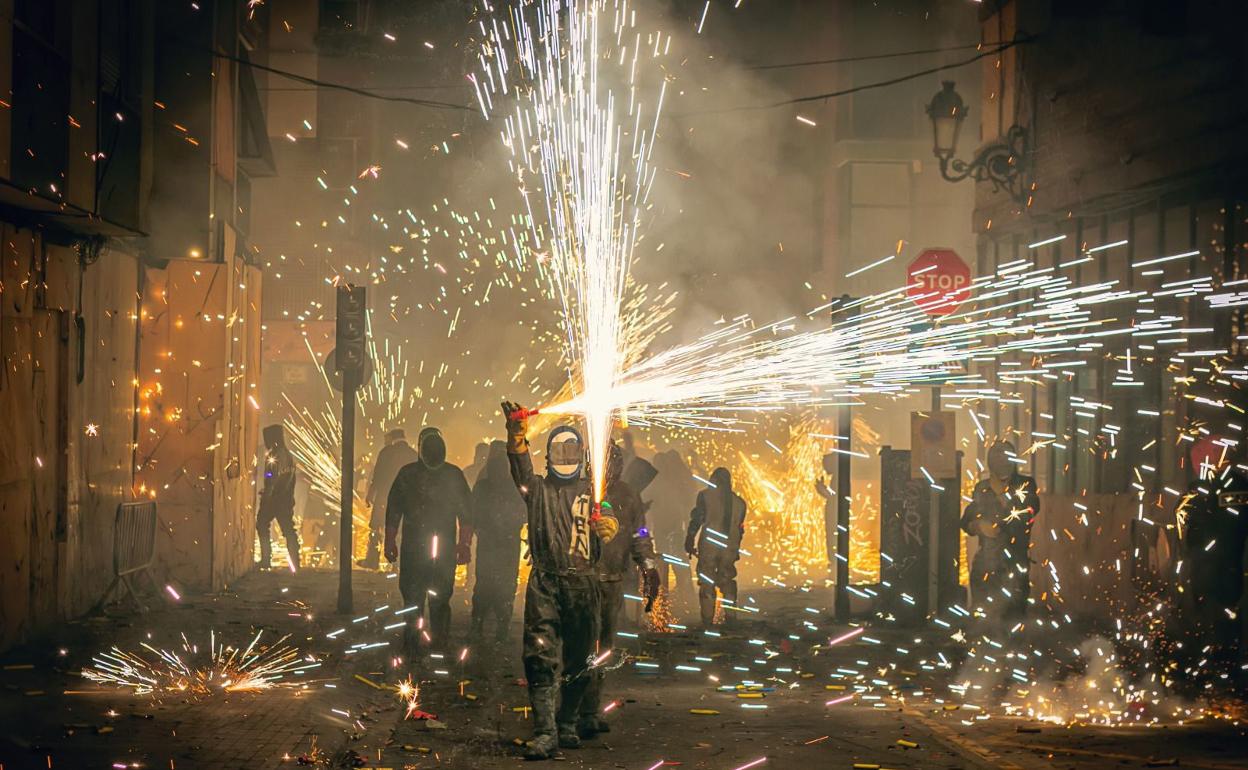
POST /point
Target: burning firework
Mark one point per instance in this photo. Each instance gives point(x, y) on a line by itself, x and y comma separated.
point(185, 670)
point(582, 127)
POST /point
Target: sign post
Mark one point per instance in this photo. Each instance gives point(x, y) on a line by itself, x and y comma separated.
point(350, 359)
point(844, 493)
point(938, 281)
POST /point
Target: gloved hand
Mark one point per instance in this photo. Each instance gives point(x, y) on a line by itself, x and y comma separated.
point(463, 553)
point(392, 545)
point(650, 581)
point(690, 548)
point(605, 527)
point(517, 428)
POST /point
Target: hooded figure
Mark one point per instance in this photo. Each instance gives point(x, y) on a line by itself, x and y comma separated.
point(396, 454)
point(277, 498)
point(631, 545)
point(429, 498)
point(497, 517)
point(1002, 509)
point(716, 525)
point(561, 604)
point(669, 497)
point(479, 456)
point(1212, 537)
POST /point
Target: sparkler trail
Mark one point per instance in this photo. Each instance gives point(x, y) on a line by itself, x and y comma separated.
point(882, 344)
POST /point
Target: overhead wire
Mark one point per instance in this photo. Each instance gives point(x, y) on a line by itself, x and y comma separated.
point(868, 86)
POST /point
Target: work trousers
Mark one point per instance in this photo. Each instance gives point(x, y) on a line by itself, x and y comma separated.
point(611, 602)
point(561, 626)
point(494, 594)
point(427, 583)
point(284, 514)
point(715, 573)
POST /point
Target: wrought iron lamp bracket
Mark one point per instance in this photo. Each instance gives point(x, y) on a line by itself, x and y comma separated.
point(1002, 163)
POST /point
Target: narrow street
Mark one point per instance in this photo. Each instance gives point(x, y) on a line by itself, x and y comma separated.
point(775, 671)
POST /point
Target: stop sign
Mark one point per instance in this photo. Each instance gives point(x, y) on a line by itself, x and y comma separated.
point(939, 281)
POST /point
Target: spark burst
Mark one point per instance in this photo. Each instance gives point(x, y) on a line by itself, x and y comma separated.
point(570, 80)
point(226, 669)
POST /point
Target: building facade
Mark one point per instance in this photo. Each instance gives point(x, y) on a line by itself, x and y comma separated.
point(1137, 178)
point(123, 186)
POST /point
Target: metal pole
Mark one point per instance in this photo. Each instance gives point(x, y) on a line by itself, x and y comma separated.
point(933, 530)
point(345, 540)
point(844, 428)
point(844, 491)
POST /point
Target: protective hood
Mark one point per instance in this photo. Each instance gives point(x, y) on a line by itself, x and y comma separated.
point(615, 462)
point(1000, 460)
point(565, 453)
point(496, 468)
point(274, 436)
point(432, 447)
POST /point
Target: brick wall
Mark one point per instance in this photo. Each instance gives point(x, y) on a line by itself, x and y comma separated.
point(1119, 104)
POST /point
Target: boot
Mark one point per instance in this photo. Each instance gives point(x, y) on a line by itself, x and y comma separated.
point(569, 735)
point(590, 726)
point(568, 739)
point(544, 742)
point(707, 606)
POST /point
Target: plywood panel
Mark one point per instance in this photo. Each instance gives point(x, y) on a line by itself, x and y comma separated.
point(100, 472)
point(45, 472)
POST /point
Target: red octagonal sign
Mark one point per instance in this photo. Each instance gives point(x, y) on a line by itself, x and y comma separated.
point(939, 280)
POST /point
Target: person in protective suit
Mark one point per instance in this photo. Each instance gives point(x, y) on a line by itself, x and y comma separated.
point(498, 513)
point(1212, 529)
point(716, 526)
point(392, 458)
point(670, 496)
point(561, 605)
point(479, 456)
point(632, 545)
point(1000, 514)
point(428, 499)
point(277, 497)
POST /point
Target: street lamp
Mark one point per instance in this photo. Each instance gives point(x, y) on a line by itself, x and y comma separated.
point(1000, 162)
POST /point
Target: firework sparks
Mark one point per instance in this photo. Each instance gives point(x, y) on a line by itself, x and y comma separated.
point(581, 136)
point(187, 669)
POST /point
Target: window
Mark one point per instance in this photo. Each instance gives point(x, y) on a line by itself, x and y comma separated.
point(120, 126)
point(40, 148)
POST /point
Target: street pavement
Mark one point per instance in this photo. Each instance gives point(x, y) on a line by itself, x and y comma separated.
point(768, 689)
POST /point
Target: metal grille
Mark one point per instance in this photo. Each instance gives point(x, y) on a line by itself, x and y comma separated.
point(134, 537)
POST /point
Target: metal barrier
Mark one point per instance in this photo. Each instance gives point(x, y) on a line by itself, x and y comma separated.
point(134, 548)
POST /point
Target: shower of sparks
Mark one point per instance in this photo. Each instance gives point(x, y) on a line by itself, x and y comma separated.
point(880, 344)
point(383, 401)
point(187, 669)
point(578, 90)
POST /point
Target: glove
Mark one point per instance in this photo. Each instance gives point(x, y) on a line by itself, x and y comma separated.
point(392, 546)
point(463, 553)
point(517, 429)
point(605, 527)
point(690, 548)
point(650, 581)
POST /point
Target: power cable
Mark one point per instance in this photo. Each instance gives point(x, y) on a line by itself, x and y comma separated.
point(868, 86)
point(868, 57)
point(341, 87)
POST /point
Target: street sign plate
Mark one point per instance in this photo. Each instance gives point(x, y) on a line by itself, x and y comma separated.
point(938, 281)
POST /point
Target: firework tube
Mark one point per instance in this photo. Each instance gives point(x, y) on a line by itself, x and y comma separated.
point(523, 414)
